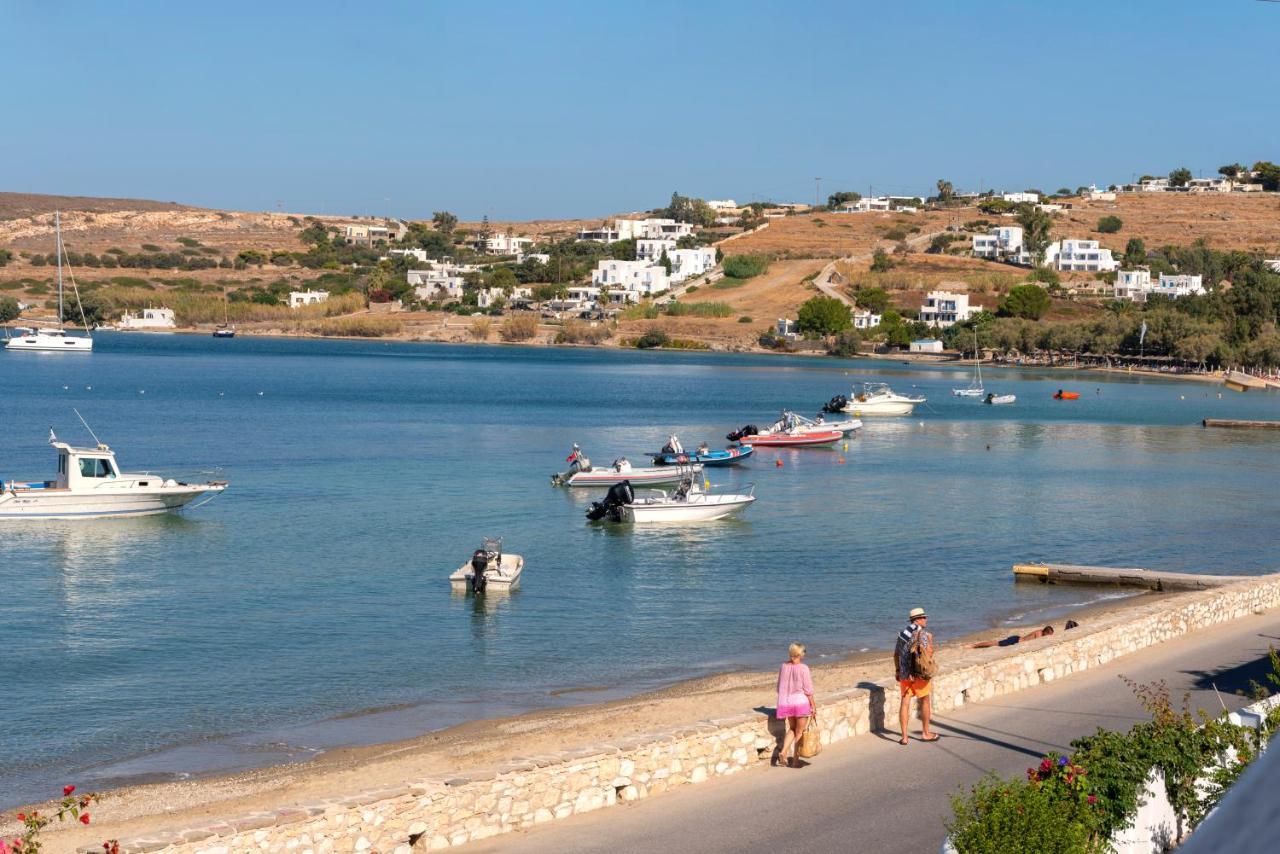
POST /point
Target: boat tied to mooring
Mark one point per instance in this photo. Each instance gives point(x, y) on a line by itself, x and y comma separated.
point(688, 502)
point(582, 473)
point(874, 398)
point(488, 568)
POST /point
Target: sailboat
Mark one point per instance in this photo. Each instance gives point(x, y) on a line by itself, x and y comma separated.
point(975, 388)
point(225, 329)
point(46, 339)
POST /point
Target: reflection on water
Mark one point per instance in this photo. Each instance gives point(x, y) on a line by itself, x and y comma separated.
point(368, 471)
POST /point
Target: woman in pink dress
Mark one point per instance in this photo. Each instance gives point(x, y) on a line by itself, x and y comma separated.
point(795, 703)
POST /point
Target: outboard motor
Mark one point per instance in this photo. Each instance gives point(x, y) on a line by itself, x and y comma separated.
point(479, 563)
point(618, 495)
point(747, 430)
point(836, 404)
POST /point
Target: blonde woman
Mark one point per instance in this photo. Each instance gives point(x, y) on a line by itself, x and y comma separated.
point(795, 704)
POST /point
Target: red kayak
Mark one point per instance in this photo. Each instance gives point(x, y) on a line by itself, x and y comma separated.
point(1066, 395)
point(788, 440)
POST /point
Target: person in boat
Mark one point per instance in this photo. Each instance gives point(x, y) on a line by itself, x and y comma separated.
point(990, 397)
point(1058, 395)
point(703, 449)
point(577, 460)
point(622, 464)
point(795, 704)
point(1014, 639)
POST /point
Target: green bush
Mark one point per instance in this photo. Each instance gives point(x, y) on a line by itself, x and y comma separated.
point(653, 338)
point(1026, 301)
point(1023, 817)
point(823, 316)
point(728, 282)
point(699, 309)
point(1109, 224)
point(745, 319)
point(1047, 275)
point(745, 266)
point(151, 247)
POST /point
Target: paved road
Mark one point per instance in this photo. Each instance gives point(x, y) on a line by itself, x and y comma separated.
point(869, 794)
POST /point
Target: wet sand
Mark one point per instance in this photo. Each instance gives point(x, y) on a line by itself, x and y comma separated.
point(136, 810)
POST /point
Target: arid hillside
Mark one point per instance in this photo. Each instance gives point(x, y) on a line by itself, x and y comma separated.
point(1249, 221)
point(832, 235)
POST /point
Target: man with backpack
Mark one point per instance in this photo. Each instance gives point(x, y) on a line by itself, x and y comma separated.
point(913, 661)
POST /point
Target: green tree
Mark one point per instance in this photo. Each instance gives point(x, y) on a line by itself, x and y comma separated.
point(842, 197)
point(1036, 225)
point(5, 256)
point(665, 262)
point(881, 262)
point(505, 278)
point(1179, 177)
point(1135, 252)
point(1267, 174)
point(821, 316)
point(1109, 224)
point(444, 222)
point(315, 234)
point(623, 250)
point(1026, 301)
point(8, 309)
point(874, 300)
point(251, 256)
point(995, 206)
point(1231, 170)
point(946, 192)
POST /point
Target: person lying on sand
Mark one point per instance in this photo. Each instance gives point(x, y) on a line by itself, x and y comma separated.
point(1012, 639)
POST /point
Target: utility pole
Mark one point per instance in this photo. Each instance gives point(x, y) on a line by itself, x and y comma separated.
point(817, 192)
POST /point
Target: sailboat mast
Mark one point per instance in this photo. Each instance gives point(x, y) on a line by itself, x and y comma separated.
point(57, 241)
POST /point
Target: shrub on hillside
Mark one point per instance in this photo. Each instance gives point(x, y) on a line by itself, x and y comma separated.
point(1109, 224)
point(746, 318)
point(578, 332)
point(699, 309)
point(1046, 275)
point(653, 338)
point(823, 316)
point(745, 266)
point(881, 262)
point(480, 328)
point(1026, 301)
point(519, 327)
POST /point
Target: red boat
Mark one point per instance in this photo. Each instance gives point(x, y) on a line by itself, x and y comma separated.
point(1066, 395)
point(787, 440)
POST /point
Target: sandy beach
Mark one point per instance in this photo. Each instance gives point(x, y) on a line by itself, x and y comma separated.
point(489, 744)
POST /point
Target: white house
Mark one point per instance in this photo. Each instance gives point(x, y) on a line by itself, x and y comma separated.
point(301, 298)
point(1210, 185)
point(1093, 194)
point(640, 276)
point(787, 329)
point(636, 229)
point(486, 297)
point(926, 345)
point(1080, 256)
point(151, 318)
point(1021, 198)
point(666, 228)
point(439, 282)
point(1003, 241)
point(1179, 286)
point(366, 235)
point(864, 319)
point(651, 248)
point(419, 255)
point(1133, 284)
point(688, 263)
point(944, 308)
point(503, 244)
point(1273, 264)
point(1136, 285)
point(722, 204)
point(866, 205)
point(540, 257)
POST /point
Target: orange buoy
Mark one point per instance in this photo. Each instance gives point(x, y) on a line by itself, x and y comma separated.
point(777, 463)
point(841, 461)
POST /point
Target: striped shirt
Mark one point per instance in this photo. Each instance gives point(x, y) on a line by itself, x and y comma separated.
point(901, 660)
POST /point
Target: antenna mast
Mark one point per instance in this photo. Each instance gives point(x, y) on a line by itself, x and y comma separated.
point(96, 440)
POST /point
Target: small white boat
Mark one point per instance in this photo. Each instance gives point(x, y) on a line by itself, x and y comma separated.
point(878, 399)
point(55, 339)
point(489, 569)
point(689, 502)
point(582, 473)
point(997, 399)
point(90, 485)
point(974, 389)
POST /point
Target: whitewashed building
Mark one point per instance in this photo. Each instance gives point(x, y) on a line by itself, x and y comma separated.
point(643, 278)
point(864, 319)
point(722, 204)
point(689, 263)
point(1079, 256)
point(439, 282)
point(1210, 185)
point(1136, 285)
point(926, 345)
point(651, 248)
point(1001, 243)
point(1179, 286)
point(944, 308)
point(866, 204)
point(1093, 194)
point(150, 318)
point(1133, 285)
point(487, 297)
point(1021, 198)
point(787, 329)
point(503, 244)
point(301, 298)
point(419, 255)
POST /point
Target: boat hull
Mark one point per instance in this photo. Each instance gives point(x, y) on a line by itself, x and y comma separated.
point(50, 344)
point(798, 440)
point(715, 507)
point(1002, 399)
point(501, 580)
point(968, 392)
point(637, 476)
point(62, 504)
point(714, 459)
point(882, 408)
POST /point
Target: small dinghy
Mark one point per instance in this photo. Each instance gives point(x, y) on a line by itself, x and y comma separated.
point(689, 502)
point(582, 473)
point(488, 569)
point(997, 399)
point(1066, 395)
point(673, 455)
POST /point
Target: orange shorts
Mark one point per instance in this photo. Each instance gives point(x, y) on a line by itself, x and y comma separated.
point(914, 687)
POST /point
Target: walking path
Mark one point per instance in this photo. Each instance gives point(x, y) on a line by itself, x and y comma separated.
point(870, 794)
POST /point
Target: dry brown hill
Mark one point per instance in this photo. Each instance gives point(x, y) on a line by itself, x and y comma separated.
point(1225, 220)
point(29, 204)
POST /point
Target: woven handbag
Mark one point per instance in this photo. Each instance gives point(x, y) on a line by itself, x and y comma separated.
point(811, 741)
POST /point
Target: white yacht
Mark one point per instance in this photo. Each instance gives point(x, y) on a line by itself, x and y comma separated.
point(689, 502)
point(879, 399)
point(90, 485)
point(55, 339)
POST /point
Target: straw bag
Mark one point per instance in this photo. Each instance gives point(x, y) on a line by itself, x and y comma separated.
point(920, 658)
point(810, 742)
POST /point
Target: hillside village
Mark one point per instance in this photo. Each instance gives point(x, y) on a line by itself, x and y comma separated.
point(1175, 272)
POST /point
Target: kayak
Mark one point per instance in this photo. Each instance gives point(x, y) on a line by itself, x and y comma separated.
point(789, 440)
point(727, 457)
point(1066, 395)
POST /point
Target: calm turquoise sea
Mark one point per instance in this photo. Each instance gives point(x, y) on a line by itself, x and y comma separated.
point(308, 607)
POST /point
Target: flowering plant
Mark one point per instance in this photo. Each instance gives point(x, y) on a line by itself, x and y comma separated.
point(71, 807)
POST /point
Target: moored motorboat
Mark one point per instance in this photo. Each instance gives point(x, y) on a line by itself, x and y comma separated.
point(792, 430)
point(689, 502)
point(90, 485)
point(998, 399)
point(708, 458)
point(582, 473)
point(488, 569)
point(876, 399)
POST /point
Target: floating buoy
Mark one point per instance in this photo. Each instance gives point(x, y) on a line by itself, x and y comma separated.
point(1182, 397)
point(846, 447)
point(840, 461)
point(88, 388)
point(777, 463)
point(261, 393)
point(142, 391)
point(706, 484)
point(64, 388)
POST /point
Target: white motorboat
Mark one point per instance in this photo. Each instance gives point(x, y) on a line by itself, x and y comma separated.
point(974, 389)
point(689, 502)
point(55, 339)
point(582, 473)
point(878, 399)
point(998, 399)
point(846, 426)
point(794, 430)
point(489, 569)
point(90, 485)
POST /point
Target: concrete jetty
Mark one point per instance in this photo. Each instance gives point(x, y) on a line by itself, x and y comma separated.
point(1065, 573)
point(1241, 425)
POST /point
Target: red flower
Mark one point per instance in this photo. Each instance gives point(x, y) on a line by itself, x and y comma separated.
point(84, 818)
point(22, 816)
point(66, 790)
point(1093, 799)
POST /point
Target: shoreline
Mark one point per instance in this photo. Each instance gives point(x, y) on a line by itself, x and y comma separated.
point(488, 744)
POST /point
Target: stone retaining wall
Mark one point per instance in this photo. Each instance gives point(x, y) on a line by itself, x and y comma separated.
point(437, 814)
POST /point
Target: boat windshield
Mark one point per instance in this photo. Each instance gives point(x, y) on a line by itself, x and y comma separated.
point(96, 467)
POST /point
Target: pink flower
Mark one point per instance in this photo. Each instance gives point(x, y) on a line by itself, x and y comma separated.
point(66, 790)
point(84, 818)
point(1093, 799)
point(22, 816)
point(4, 847)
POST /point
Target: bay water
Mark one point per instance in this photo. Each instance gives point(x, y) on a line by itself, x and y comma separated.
point(308, 606)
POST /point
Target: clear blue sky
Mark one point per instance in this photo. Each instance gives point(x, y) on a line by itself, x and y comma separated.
point(545, 109)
